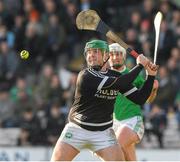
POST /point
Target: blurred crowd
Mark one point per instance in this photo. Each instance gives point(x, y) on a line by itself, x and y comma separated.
point(32, 96)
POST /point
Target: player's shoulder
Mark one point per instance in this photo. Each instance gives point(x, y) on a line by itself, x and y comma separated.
point(81, 75)
point(88, 71)
point(82, 71)
point(93, 72)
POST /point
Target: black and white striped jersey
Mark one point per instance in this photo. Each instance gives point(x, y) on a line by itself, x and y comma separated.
point(95, 96)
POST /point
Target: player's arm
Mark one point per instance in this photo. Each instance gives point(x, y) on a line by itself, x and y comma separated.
point(94, 80)
point(142, 61)
point(139, 82)
point(140, 96)
point(153, 92)
point(127, 79)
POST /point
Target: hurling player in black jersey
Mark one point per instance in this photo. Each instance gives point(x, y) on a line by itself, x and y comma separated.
point(91, 115)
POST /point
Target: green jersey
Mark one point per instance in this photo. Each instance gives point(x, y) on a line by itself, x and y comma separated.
point(125, 108)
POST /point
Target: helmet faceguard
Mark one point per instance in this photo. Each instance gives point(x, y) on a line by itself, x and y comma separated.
point(115, 48)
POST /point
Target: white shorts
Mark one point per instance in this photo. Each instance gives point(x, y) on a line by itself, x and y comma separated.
point(84, 139)
point(134, 123)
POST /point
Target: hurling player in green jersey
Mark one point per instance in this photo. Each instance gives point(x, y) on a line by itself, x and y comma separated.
point(128, 120)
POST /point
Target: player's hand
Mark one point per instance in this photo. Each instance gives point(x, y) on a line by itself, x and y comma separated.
point(151, 69)
point(141, 59)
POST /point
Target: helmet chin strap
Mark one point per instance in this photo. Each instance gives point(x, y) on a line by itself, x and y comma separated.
point(99, 67)
point(105, 62)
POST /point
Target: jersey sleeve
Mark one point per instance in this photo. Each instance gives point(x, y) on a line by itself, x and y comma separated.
point(123, 82)
point(139, 96)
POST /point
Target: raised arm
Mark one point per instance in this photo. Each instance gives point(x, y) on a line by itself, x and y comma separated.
point(124, 81)
point(140, 96)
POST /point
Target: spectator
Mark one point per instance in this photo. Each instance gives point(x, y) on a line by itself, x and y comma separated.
point(56, 38)
point(6, 108)
point(34, 43)
point(166, 10)
point(147, 49)
point(132, 39)
point(167, 89)
point(69, 92)
point(70, 26)
point(166, 42)
point(32, 124)
point(175, 20)
point(135, 20)
point(21, 87)
point(158, 124)
point(19, 31)
point(21, 95)
point(24, 137)
point(8, 35)
point(174, 70)
point(49, 9)
point(147, 9)
point(8, 61)
point(5, 17)
point(55, 123)
point(144, 34)
point(56, 91)
point(43, 85)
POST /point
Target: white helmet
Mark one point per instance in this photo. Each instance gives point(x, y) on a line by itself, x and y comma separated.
point(117, 48)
